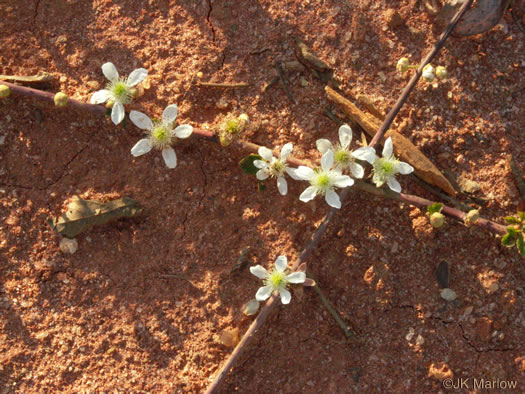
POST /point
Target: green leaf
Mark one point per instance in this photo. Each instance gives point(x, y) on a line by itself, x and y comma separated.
point(108, 111)
point(247, 164)
point(521, 215)
point(510, 238)
point(512, 220)
point(261, 186)
point(434, 208)
point(520, 244)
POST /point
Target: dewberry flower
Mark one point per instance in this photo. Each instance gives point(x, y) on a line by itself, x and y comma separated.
point(323, 181)
point(275, 167)
point(161, 134)
point(428, 73)
point(277, 280)
point(119, 90)
point(343, 158)
point(387, 167)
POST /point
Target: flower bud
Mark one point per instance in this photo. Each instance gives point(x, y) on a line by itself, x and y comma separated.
point(109, 104)
point(4, 91)
point(251, 307)
point(402, 65)
point(60, 99)
point(225, 139)
point(428, 73)
point(441, 72)
point(471, 217)
point(437, 219)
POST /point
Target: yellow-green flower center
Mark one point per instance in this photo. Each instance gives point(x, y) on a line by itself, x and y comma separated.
point(322, 181)
point(341, 157)
point(120, 91)
point(387, 167)
point(160, 134)
point(277, 280)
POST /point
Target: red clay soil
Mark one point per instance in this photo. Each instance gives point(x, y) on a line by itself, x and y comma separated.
point(142, 303)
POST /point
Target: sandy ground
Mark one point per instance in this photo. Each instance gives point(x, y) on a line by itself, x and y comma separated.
point(142, 303)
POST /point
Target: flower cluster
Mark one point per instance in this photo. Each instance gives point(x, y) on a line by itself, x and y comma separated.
point(335, 161)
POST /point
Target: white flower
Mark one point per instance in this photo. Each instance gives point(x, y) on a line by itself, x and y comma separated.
point(343, 158)
point(428, 73)
point(271, 166)
point(161, 134)
point(323, 180)
point(118, 90)
point(387, 167)
point(276, 280)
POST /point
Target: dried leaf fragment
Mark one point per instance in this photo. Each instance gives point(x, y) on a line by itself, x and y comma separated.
point(82, 214)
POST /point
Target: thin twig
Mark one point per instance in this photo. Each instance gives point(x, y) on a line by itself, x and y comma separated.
point(413, 81)
point(271, 83)
point(224, 85)
point(331, 309)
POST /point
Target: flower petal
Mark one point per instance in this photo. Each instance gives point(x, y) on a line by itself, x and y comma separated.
point(264, 293)
point(332, 199)
point(343, 181)
point(286, 150)
point(393, 184)
point(260, 164)
point(265, 153)
point(304, 173)
point(292, 172)
point(100, 97)
point(327, 160)
point(117, 113)
point(345, 135)
point(365, 153)
point(183, 131)
point(141, 120)
point(323, 145)
point(404, 168)
point(261, 175)
point(286, 296)
point(259, 271)
point(170, 114)
point(141, 147)
point(309, 194)
point(281, 263)
point(282, 185)
point(388, 148)
point(137, 76)
point(296, 277)
point(110, 71)
point(356, 170)
point(169, 156)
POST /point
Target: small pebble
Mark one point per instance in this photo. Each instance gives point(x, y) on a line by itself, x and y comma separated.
point(222, 104)
point(448, 294)
point(68, 245)
point(494, 287)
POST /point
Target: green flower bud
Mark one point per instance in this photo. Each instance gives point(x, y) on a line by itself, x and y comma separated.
point(4, 91)
point(60, 99)
point(402, 65)
point(441, 72)
point(437, 219)
point(471, 217)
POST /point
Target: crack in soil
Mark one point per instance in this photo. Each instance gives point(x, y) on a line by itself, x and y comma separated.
point(208, 19)
point(463, 334)
point(35, 13)
point(49, 184)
